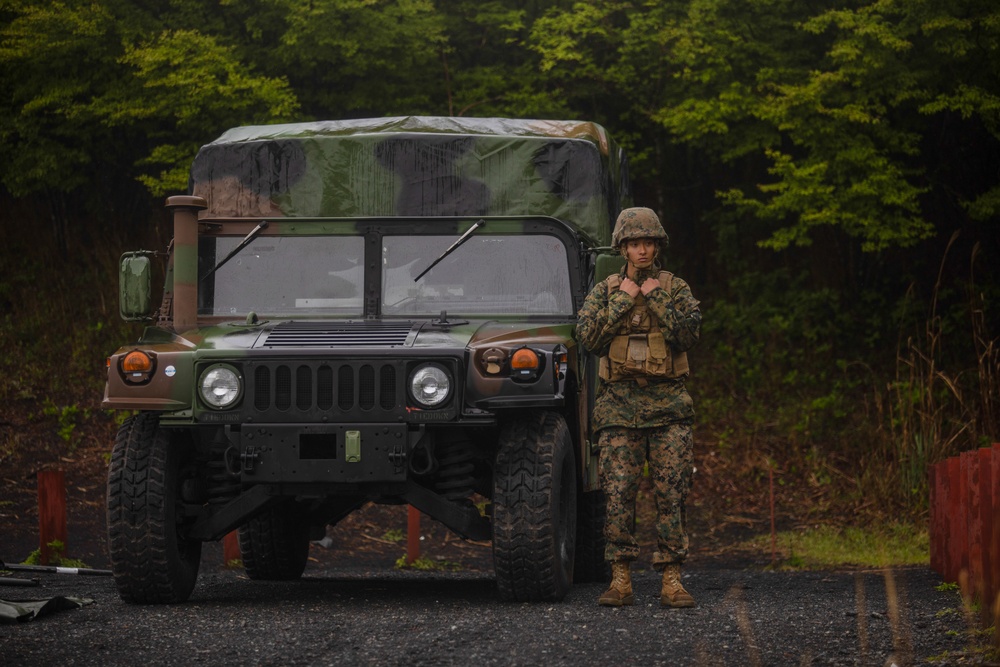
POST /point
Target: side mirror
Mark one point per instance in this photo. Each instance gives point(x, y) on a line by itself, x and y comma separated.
point(135, 287)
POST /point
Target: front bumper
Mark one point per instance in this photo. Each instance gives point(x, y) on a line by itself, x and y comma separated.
point(325, 453)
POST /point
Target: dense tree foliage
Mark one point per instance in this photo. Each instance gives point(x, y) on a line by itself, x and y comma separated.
point(810, 159)
point(804, 115)
point(832, 115)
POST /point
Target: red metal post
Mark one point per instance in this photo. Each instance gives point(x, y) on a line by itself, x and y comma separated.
point(231, 548)
point(934, 505)
point(984, 456)
point(962, 525)
point(975, 522)
point(412, 534)
point(995, 534)
point(51, 512)
point(986, 533)
point(953, 559)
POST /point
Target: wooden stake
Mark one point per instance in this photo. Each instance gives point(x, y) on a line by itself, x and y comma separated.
point(774, 530)
point(412, 534)
point(51, 512)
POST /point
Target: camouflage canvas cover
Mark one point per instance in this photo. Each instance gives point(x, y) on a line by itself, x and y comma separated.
point(418, 166)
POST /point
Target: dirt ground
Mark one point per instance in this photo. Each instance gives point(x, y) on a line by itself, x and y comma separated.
point(373, 536)
point(354, 606)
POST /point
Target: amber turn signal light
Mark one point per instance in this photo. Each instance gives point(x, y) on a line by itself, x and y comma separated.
point(137, 361)
point(524, 359)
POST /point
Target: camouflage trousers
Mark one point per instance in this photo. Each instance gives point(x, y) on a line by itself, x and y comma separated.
point(669, 452)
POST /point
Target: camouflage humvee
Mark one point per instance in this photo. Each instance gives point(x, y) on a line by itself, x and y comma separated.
point(368, 311)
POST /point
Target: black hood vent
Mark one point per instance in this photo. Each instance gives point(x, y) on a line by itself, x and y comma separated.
point(340, 334)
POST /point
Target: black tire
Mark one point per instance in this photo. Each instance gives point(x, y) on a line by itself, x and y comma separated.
point(534, 509)
point(590, 564)
point(275, 545)
point(152, 561)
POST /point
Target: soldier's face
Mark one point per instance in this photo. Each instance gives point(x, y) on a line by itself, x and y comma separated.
point(640, 253)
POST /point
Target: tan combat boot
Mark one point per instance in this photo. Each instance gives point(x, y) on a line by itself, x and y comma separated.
point(673, 594)
point(620, 592)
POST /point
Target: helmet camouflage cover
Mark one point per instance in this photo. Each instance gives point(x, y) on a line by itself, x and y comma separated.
point(638, 223)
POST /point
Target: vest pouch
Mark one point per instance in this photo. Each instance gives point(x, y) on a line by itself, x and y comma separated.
point(618, 355)
point(639, 319)
point(638, 353)
point(679, 365)
point(658, 362)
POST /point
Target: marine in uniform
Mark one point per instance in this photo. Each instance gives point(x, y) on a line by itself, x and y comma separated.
point(641, 322)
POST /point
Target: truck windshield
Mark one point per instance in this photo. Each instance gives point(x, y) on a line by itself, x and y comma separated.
point(316, 276)
point(283, 275)
point(488, 274)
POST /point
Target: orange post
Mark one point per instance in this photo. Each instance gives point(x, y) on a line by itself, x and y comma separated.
point(231, 548)
point(956, 519)
point(944, 525)
point(995, 534)
point(412, 534)
point(975, 522)
point(774, 529)
point(963, 512)
point(986, 533)
point(51, 512)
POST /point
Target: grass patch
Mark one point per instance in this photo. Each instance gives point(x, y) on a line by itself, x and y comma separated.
point(56, 557)
point(427, 565)
point(394, 535)
point(890, 545)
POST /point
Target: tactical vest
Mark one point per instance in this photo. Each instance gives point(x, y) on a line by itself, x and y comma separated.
point(638, 352)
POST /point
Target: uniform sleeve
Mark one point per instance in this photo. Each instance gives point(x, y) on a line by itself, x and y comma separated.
point(678, 314)
point(601, 317)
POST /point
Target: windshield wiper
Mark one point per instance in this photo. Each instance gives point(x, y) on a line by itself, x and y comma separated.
point(454, 246)
point(254, 233)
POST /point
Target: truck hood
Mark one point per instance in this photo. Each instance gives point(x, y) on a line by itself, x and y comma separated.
point(286, 336)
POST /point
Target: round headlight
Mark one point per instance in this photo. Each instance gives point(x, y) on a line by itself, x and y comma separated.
point(430, 386)
point(220, 386)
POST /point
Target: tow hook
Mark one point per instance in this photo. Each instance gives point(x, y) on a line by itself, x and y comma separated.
point(249, 458)
point(397, 457)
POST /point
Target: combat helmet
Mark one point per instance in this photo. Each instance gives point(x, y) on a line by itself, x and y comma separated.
point(638, 223)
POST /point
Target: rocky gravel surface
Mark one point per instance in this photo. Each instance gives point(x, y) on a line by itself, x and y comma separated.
point(353, 607)
point(386, 616)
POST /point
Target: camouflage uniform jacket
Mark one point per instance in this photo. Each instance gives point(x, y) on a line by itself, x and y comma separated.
point(625, 403)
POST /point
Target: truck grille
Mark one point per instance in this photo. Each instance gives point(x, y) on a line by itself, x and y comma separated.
point(356, 390)
point(339, 334)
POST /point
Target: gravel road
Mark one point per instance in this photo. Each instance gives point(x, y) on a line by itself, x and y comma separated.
point(357, 616)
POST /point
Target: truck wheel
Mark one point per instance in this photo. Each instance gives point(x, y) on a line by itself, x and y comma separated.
point(275, 545)
point(152, 560)
point(534, 509)
point(590, 563)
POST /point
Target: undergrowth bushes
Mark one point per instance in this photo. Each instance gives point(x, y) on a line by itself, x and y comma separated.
point(58, 324)
point(856, 394)
point(945, 393)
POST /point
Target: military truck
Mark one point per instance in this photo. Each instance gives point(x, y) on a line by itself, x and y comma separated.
point(367, 311)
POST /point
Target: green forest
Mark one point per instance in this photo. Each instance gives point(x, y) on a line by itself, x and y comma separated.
point(828, 173)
